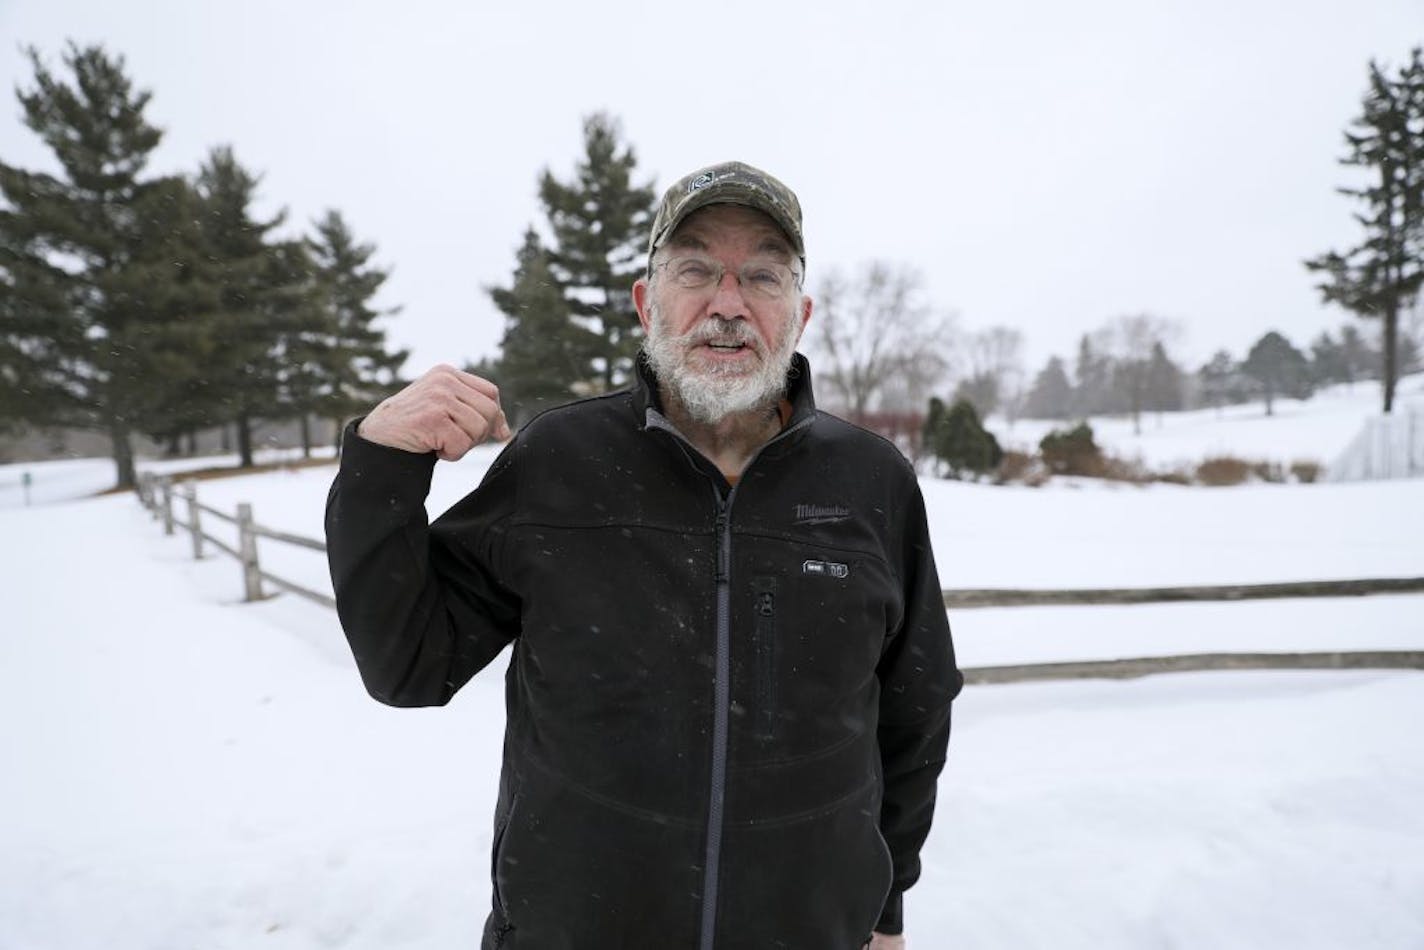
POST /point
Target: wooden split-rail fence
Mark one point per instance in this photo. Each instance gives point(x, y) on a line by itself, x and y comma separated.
point(159, 494)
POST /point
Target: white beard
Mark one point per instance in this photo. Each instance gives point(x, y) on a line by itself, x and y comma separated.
point(711, 393)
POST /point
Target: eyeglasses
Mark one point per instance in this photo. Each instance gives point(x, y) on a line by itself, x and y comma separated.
point(767, 280)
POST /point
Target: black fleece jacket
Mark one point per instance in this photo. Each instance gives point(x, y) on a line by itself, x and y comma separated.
point(727, 705)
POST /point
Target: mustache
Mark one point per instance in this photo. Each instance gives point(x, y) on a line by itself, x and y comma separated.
point(717, 330)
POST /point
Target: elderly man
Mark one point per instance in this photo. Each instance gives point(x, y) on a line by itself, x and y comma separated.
point(729, 689)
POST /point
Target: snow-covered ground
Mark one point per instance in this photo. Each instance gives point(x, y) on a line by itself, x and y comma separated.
point(1316, 429)
point(186, 771)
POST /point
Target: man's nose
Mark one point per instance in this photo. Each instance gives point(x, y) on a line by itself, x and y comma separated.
point(728, 301)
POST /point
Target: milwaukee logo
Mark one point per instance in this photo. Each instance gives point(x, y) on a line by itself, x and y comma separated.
point(820, 514)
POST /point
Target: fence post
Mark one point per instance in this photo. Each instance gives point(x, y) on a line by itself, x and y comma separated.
point(247, 547)
point(167, 484)
point(190, 492)
point(150, 498)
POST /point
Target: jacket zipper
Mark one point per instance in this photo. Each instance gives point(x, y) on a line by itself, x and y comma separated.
point(722, 687)
point(722, 692)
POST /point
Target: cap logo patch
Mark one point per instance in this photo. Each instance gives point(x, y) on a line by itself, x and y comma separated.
point(700, 182)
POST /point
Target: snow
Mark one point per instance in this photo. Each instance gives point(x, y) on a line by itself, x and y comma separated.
point(185, 770)
point(1316, 429)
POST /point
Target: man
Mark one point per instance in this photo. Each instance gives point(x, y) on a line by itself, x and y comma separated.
point(730, 683)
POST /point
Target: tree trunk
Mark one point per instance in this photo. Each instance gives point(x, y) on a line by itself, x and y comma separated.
point(123, 455)
point(192, 442)
point(244, 441)
point(1391, 355)
point(224, 439)
point(306, 436)
point(337, 428)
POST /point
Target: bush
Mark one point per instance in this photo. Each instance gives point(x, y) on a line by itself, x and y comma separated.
point(1072, 451)
point(1268, 472)
point(1020, 467)
point(1223, 470)
point(1124, 470)
point(1305, 470)
point(1175, 476)
point(958, 439)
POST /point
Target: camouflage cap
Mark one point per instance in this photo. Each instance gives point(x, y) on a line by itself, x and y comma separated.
point(728, 183)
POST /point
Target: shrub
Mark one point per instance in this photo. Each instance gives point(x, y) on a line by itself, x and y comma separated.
point(1020, 467)
point(1174, 476)
point(1268, 472)
point(1305, 470)
point(957, 438)
point(1223, 470)
point(1124, 470)
point(1072, 451)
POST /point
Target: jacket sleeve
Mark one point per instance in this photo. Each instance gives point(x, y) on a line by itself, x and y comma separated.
point(422, 606)
point(918, 682)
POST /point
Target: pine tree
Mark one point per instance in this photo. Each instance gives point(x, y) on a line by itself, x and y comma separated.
point(1093, 374)
point(1221, 381)
point(600, 224)
point(1356, 355)
point(1164, 382)
point(544, 354)
point(958, 438)
point(264, 299)
point(1052, 394)
point(90, 260)
point(1327, 361)
point(1278, 369)
point(341, 366)
point(1382, 275)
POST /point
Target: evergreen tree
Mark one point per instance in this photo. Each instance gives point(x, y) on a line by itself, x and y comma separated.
point(543, 354)
point(342, 365)
point(1383, 274)
point(958, 438)
point(600, 222)
point(1357, 357)
point(1093, 374)
point(1222, 382)
point(88, 260)
point(1327, 361)
point(265, 300)
point(1052, 394)
point(1278, 369)
point(1164, 382)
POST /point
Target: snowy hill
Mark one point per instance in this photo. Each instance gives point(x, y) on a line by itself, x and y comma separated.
point(1316, 429)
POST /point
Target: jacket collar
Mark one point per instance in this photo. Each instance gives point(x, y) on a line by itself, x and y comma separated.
point(646, 394)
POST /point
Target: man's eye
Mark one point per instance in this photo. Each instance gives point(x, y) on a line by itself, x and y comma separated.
point(763, 276)
point(694, 271)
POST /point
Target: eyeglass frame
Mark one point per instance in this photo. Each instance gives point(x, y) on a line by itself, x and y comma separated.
point(720, 269)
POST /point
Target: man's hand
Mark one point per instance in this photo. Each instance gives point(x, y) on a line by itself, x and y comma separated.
point(446, 411)
point(880, 941)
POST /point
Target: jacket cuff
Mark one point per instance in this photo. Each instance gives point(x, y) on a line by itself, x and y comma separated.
point(892, 918)
point(368, 468)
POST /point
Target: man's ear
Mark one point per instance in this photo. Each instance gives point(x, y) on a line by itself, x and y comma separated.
point(642, 300)
point(805, 316)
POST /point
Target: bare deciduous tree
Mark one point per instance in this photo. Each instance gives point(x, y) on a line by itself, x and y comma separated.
point(1131, 340)
point(992, 374)
point(879, 344)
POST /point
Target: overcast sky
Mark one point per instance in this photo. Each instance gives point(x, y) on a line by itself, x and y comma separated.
point(1046, 165)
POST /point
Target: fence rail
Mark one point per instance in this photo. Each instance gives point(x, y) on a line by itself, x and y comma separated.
point(1133, 667)
point(157, 493)
point(1009, 597)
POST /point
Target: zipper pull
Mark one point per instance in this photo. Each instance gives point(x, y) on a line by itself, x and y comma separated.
point(724, 554)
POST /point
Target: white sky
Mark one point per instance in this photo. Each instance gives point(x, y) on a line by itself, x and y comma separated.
point(1047, 165)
